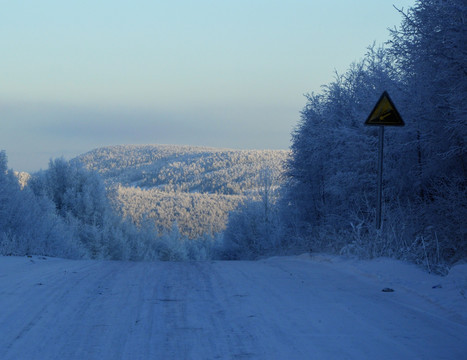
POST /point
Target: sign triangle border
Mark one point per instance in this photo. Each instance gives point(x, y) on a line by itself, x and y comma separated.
point(399, 117)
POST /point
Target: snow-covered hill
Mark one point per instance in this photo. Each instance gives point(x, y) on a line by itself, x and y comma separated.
point(318, 307)
point(194, 186)
point(183, 168)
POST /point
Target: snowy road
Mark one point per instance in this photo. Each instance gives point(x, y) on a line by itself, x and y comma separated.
point(280, 308)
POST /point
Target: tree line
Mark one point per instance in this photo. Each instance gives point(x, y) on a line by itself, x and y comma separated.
point(328, 200)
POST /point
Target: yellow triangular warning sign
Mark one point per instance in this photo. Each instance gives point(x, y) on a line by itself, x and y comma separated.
point(385, 113)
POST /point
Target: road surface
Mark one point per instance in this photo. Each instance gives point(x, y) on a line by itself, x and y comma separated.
point(279, 308)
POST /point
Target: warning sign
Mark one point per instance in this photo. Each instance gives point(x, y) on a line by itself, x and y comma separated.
point(385, 113)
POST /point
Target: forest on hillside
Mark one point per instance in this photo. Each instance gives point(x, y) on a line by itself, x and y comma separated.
point(178, 168)
point(325, 198)
point(194, 187)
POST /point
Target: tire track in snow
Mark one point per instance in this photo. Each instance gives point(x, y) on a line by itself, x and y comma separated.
point(230, 339)
point(98, 314)
point(268, 309)
point(26, 313)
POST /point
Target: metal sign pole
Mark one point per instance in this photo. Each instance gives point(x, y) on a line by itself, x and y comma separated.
point(383, 114)
point(379, 195)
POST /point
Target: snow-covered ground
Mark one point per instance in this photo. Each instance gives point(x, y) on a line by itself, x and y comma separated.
point(318, 307)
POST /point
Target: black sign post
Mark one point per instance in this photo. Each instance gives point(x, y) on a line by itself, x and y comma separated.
point(383, 114)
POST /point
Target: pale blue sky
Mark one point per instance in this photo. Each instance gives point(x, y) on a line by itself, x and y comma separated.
point(75, 75)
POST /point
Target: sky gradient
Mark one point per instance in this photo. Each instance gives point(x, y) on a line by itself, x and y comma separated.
point(76, 75)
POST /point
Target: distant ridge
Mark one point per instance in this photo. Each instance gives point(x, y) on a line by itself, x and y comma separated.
point(196, 187)
point(183, 168)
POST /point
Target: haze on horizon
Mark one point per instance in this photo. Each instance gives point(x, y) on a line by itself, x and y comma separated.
point(232, 74)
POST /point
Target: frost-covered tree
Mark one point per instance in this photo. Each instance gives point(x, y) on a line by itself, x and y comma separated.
point(333, 155)
point(28, 224)
point(430, 50)
point(254, 228)
point(329, 198)
point(80, 198)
